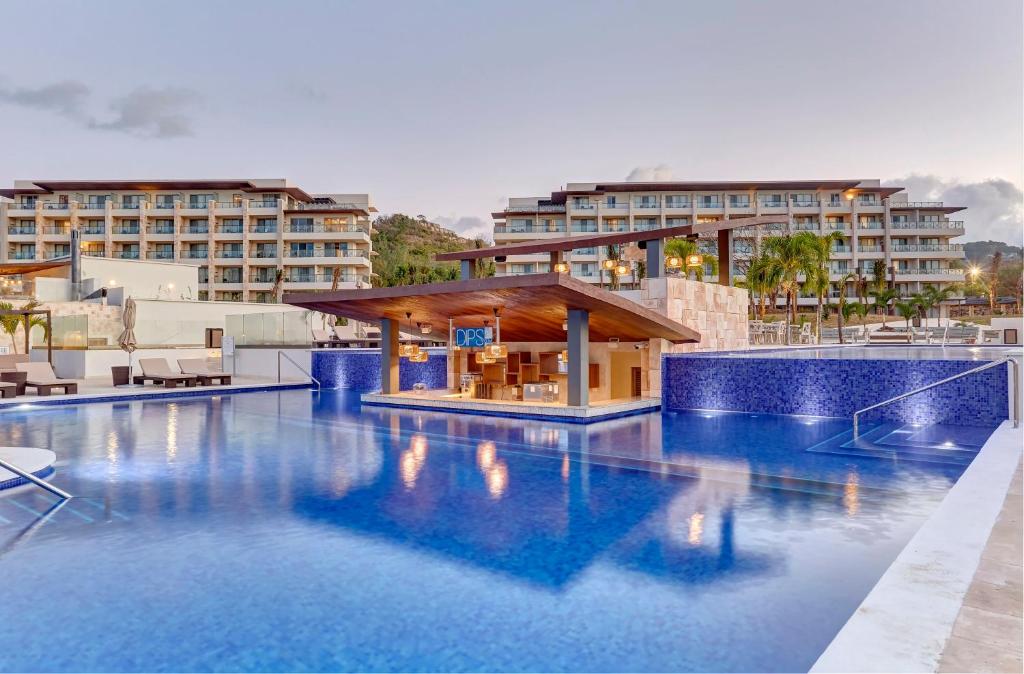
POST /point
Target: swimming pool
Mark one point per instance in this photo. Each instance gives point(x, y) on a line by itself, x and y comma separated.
point(290, 531)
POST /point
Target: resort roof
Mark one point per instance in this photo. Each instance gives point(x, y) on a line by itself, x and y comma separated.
point(532, 308)
point(29, 266)
point(607, 239)
point(51, 186)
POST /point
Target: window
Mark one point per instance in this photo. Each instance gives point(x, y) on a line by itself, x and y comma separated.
point(265, 225)
point(645, 224)
point(200, 200)
point(584, 225)
point(931, 217)
point(93, 227)
point(335, 249)
point(301, 249)
point(300, 275)
point(581, 202)
point(231, 226)
point(802, 199)
point(130, 201)
point(232, 275)
point(677, 201)
point(520, 225)
point(676, 222)
point(592, 250)
point(553, 224)
point(739, 200)
point(772, 200)
point(198, 226)
point(646, 201)
point(709, 201)
point(584, 268)
point(521, 268)
point(27, 202)
point(302, 225)
point(231, 250)
point(867, 199)
point(835, 199)
point(612, 202)
point(165, 200)
point(266, 250)
point(96, 200)
point(204, 274)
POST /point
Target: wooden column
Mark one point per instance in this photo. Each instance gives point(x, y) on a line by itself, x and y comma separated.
point(388, 355)
point(466, 267)
point(725, 257)
point(28, 344)
point(579, 357)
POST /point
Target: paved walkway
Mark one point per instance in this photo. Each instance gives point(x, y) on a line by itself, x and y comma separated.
point(987, 635)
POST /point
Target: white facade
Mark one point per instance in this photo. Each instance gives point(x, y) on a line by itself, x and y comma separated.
point(244, 235)
point(913, 239)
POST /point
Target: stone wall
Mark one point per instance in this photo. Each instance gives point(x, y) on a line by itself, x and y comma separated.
point(719, 313)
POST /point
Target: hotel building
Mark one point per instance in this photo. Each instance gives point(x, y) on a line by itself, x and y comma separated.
point(241, 233)
point(876, 223)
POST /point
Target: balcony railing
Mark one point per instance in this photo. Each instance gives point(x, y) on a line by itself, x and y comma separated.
point(127, 254)
point(164, 205)
point(92, 205)
point(319, 228)
point(265, 253)
point(915, 204)
point(263, 229)
point(928, 248)
point(125, 229)
point(94, 229)
point(528, 229)
point(669, 203)
point(549, 208)
point(160, 229)
point(62, 231)
point(584, 207)
point(709, 204)
point(192, 229)
point(23, 255)
point(267, 203)
point(837, 226)
point(870, 249)
point(585, 228)
point(160, 255)
point(93, 252)
point(616, 227)
point(59, 206)
point(230, 229)
point(841, 249)
point(645, 226)
point(925, 270)
point(228, 254)
point(772, 203)
point(197, 254)
point(21, 230)
point(806, 226)
point(739, 204)
point(805, 203)
point(929, 224)
point(646, 204)
point(869, 225)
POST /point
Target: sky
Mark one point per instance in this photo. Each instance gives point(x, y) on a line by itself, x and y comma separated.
point(446, 109)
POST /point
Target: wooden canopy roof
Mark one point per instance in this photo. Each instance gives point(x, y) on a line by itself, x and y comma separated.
point(29, 266)
point(532, 308)
point(564, 243)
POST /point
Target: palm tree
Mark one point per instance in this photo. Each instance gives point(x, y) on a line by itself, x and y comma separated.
point(924, 303)
point(683, 248)
point(819, 250)
point(12, 323)
point(792, 255)
point(278, 281)
point(882, 299)
point(993, 280)
point(842, 313)
point(906, 310)
point(763, 278)
point(937, 296)
point(878, 275)
point(9, 323)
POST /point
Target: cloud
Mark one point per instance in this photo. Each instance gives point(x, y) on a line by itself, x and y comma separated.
point(650, 174)
point(63, 98)
point(151, 112)
point(468, 226)
point(994, 206)
point(155, 113)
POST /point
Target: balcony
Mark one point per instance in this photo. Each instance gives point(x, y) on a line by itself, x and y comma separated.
point(160, 255)
point(160, 230)
point(57, 231)
point(22, 255)
point(914, 204)
point(164, 205)
point(772, 203)
point(319, 228)
point(616, 227)
point(929, 224)
point(806, 203)
point(929, 248)
point(265, 254)
point(870, 249)
point(22, 209)
point(263, 229)
point(645, 226)
point(228, 254)
point(92, 206)
point(529, 209)
point(589, 227)
point(126, 254)
point(268, 203)
point(647, 205)
point(197, 229)
point(527, 229)
point(806, 227)
point(196, 254)
point(230, 229)
point(670, 203)
point(17, 230)
point(615, 205)
point(132, 230)
point(94, 252)
point(841, 249)
point(869, 225)
point(709, 204)
point(583, 206)
point(58, 206)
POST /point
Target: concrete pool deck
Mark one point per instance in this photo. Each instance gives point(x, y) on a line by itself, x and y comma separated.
point(921, 613)
point(100, 389)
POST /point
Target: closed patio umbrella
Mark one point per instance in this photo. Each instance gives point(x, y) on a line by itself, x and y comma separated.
point(126, 340)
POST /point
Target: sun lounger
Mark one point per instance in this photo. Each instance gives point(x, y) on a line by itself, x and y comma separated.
point(890, 337)
point(322, 338)
point(40, 376)
point(8, 390)
point(158, 371)
point(202, 371)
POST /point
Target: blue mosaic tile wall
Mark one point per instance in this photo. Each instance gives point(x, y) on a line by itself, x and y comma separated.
point(359, 369)
point(836, 388)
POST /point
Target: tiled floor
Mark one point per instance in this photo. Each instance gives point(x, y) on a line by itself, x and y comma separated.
point(987, 635)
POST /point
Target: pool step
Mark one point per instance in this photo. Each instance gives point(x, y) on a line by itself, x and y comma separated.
point(900, 442)
point(30, 510)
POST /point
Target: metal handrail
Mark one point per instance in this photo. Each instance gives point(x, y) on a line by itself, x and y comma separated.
point(293, 362)
point(53, 489)
point(988, 366)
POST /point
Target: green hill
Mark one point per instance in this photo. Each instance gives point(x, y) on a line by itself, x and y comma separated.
point(979, 252)
point(405, 248)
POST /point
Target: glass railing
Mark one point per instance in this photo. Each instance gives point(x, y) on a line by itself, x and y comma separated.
point(14, 288)
point(127, 254)
point(739, 204)
point(94, 229)
point(197, 254)
point(62, 231)
point(160, 255)
point(15, 231)
point(263, 229)
point(160, 229)
point(164, 205)
point(125, 229)
point(270, 328)
point(22, 255)
point(228, 254)
point(265, 203)
point(56, 206)
point(197, 230)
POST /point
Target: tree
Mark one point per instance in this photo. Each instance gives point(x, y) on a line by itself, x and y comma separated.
point(683, 248)
point(11, 323)
point(878, 276)
point(906, 310)
point(819, 250)
point(793, 255)
point(993, 284)
point(843, 314)
point(882, 299)
point(278, 281)
point(937, 296)
point(763, 278)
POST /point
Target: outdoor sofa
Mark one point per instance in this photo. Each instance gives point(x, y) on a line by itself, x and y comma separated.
point(202, 371)
point(158, 371)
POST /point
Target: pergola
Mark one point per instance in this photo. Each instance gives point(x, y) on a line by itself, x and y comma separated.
point(653, 240)
point(532, 308)
point(26, 315)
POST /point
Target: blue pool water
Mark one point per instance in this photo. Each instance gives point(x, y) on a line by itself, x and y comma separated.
point(288, 531)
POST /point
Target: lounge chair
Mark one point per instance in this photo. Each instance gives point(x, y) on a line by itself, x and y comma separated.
point(158, 371)
point(8, 390)
point(322, 338)
point(202, 371)
point(41, 376)
point(890, 337)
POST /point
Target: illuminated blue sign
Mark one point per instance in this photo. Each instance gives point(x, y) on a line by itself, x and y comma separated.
point(472, 337)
